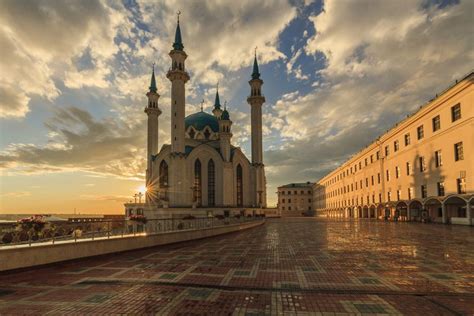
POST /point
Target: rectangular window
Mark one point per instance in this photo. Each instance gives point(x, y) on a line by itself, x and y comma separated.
point(289, 192)
point(438, 161)
point(380, 197)
point(396, 145)
point(419, 132)
point(410, 193)
point(378, 178)
point(360, 165)
point(456, 112)
point(408, 168)
point(440, 188)
point(373, 198)
point(422, 164)
point(461, 185)
point(367, 182)
point(283, 208)
point(356, 185)
point(389, 196)
point(387, 150)
point(373, 180)
point(377, 155)
point(436, 123)
point(283, 200)
point(289, 200)
point(399, 195)
point(397, 172)
point(365, 160)
point(371, 158)
point(289, 208)
point(407, 139)
point(387, 175)
point(458, 152)
point(423, 191)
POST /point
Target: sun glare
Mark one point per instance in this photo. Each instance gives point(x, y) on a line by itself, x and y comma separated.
point(142, 189)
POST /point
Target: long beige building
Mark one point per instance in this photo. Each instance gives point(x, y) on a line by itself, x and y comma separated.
point(422, 169)
point(295, 199)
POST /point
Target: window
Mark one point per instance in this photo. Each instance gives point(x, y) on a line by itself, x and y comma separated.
point(456, 112)
point(309, 200)
point(197, 196)
point(163, 174)
point(408, 168)
point(283, 200)
point(399, 195)
point(389, 196)
point(396, 146)
point(365, 160)
point(366, 182)
point(289, 192)
point(378, 178)
point(438, 161)
point(458, 152)
point(410, 193)
point(387, 150)
point(380, 197)
point(360, 165)
point(461, 185)
point(377, 155)
point(289, 200)
point(407, 139)
point(419, 132)
point(371, 158)
point(436, 123)
point(372, 180)
point(423, 191)
point(373, 198)
point(387, 172)
point(283, 208)
point(211, 183)
point(422, 164)
point(289, 208)
point(240, 189)
point(440, 188)
point(397, 172)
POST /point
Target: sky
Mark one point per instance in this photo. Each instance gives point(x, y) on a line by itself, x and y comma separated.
point(337, 74)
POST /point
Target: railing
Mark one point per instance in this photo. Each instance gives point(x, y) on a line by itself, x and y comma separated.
point(74, 232)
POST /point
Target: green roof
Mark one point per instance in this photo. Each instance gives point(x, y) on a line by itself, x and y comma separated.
point(255, 72)
point(153, 81)
point(200, 120)
point(178, 43)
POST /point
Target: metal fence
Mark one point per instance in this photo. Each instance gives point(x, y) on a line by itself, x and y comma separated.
point(67, 232)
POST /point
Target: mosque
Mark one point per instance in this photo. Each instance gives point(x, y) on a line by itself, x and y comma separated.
point(201, 172)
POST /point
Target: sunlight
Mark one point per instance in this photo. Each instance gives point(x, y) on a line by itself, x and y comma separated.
point(142, 189)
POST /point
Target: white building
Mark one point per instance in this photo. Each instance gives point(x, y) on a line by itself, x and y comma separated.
point(201, 172)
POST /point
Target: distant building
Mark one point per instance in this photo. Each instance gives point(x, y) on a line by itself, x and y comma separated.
point(422, 169)
point(295, 199)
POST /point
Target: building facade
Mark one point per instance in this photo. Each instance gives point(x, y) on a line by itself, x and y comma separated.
point(201, 172)
point(422, 169)
point(295, 199)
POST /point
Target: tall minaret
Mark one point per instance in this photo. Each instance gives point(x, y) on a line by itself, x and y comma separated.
point(153, 111)
point(178, 77)
point(180, 194)
point(256, 100)
point(217, 104)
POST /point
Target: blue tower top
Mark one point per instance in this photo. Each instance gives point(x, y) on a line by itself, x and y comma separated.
point(153, 81)
point(178, 43)
point(217, 102)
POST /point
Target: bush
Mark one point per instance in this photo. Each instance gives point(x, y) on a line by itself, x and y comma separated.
point(7, 238)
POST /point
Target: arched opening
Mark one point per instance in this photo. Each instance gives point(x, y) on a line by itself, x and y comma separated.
point(175, 65)
point(207, 134)
point(372, 211)
point(192, 133)
point(434, 210)
point(401, 210)
point(380, 210)
point(240, 186)
point(197, 183)
point(163, 180)
point(456, 210)
point(211, 183)
point(416, 208)
point(366, 211)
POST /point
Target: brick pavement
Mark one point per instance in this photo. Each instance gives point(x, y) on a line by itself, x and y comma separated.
point(288, 266)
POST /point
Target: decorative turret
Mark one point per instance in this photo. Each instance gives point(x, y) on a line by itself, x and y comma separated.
point(256, 100)
point(153, 112)
point(217, 104)
point(178, 43)
point(225, 134)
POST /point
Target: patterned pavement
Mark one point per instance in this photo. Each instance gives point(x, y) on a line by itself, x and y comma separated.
point(287, 266)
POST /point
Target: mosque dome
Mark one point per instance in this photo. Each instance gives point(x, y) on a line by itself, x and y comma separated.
point(200, 120)
point(225, 115)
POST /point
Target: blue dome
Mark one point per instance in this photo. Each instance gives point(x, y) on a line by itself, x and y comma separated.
point(225, 115)
point(200, 120)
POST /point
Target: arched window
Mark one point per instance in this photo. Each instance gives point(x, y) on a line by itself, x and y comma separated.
point(211, 183)
point(175, 65)
point(240, 186)
point(207, 134)
point(197, 183)
point(192, 133)
point(163, 174)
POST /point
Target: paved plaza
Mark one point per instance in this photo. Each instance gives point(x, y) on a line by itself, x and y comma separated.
point(287, 266)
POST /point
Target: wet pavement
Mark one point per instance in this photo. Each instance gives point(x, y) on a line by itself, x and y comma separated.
point(287, 266)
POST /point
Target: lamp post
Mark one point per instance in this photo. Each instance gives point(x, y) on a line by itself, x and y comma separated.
point(140, 197)
point(135, 197)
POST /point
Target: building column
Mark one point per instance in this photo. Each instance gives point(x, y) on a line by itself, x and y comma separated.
point(443, 213)
point(468, 213)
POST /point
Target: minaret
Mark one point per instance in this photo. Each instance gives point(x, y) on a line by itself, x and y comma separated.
point(180, 194)
point(225, 134)
point(217, 104)
point(256, 100)
point(178, 77)
point(153, 112)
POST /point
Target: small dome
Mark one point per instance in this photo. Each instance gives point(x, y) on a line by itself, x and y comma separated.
point(200, 120)
point(225, 115)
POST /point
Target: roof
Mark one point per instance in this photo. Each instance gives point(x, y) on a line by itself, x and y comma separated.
point(255, 72)
point(200, 120)
point(178, 43)
point(297, 185)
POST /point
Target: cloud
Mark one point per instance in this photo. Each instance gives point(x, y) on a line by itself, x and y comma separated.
point(382, 61)
point(17, 194)
point(80, 142)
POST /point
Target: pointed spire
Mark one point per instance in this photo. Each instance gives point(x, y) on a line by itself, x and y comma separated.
point(225, 114)
point(255, 72)
point(153, 81)
point(202, 105)
point(178, 43)
point(217, 102)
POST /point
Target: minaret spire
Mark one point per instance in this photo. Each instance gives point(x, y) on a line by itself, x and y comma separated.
point(217, 111)
point(255, 72)
point(178, 42)
point(153, 80)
